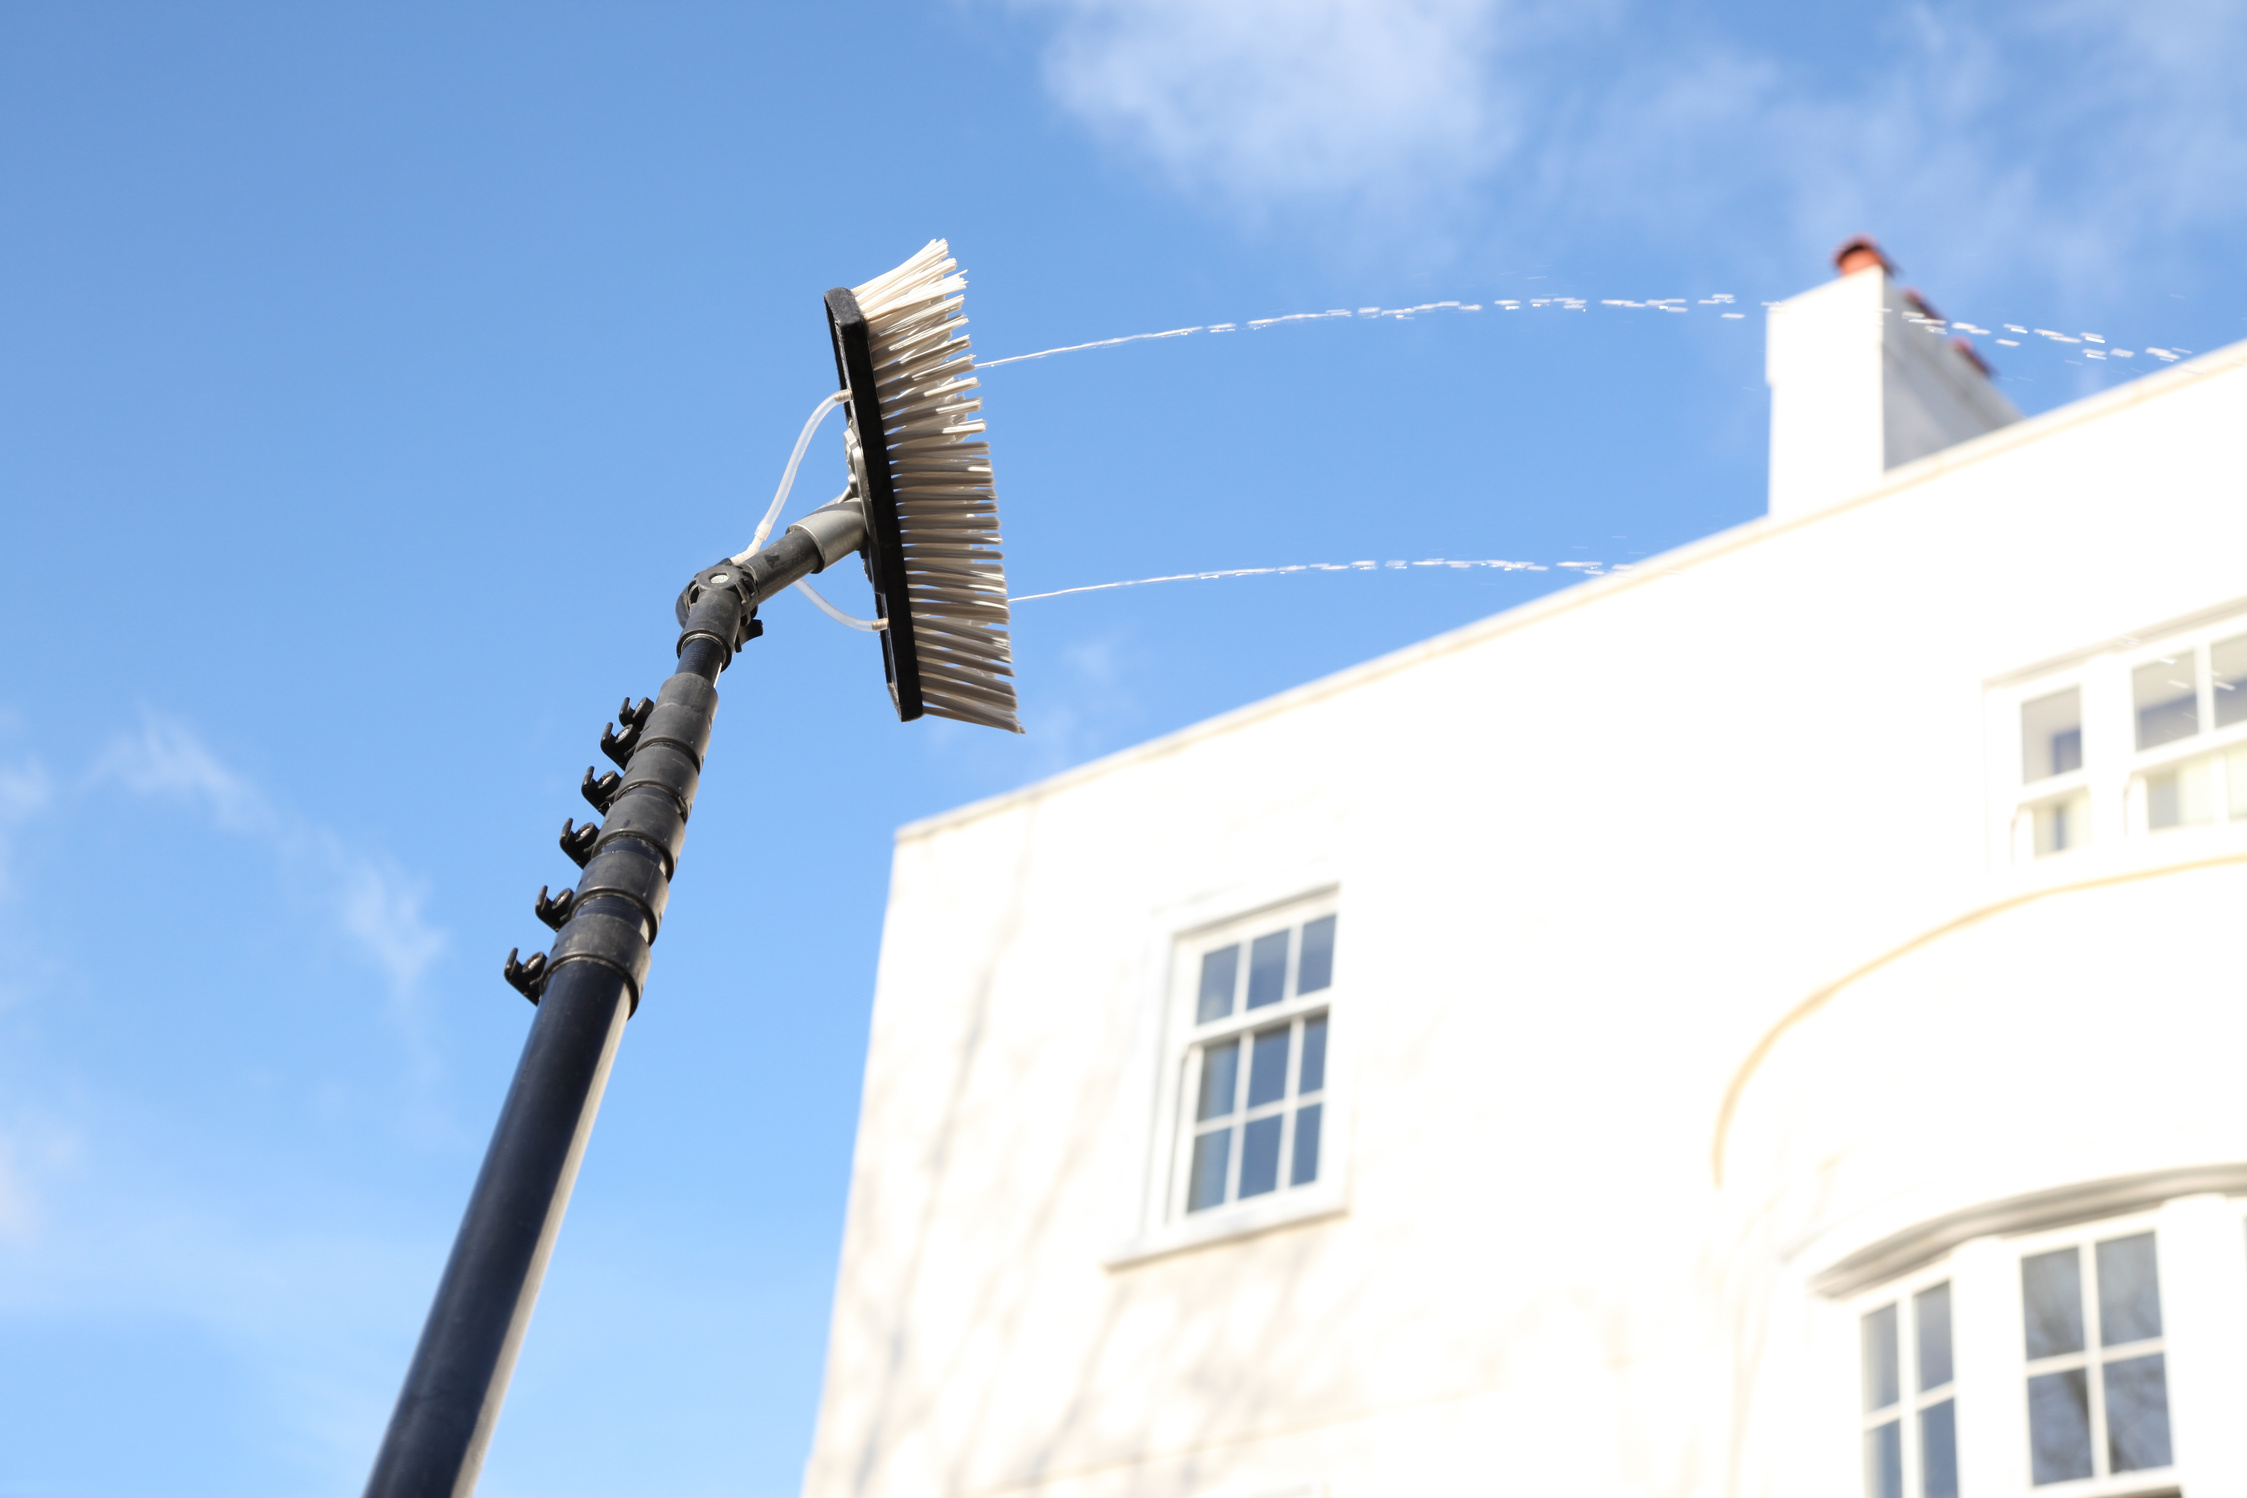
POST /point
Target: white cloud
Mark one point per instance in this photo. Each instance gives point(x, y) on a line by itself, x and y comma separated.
point(374, 904)
point(1264, 100)
point(382, 909)
point(17, 1215)
point(166, 759)
point(25, 790)
point(2053, 147)
point(29, 1149)
point(2022, 144)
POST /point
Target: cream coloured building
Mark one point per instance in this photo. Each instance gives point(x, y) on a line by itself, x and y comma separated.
point(1769, 1022)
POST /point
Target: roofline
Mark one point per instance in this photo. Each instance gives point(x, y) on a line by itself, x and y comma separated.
point(1669, 564)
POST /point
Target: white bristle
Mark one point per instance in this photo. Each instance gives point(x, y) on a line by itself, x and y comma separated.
point(947, 510)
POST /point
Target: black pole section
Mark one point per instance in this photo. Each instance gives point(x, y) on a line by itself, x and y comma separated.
point(585, 989)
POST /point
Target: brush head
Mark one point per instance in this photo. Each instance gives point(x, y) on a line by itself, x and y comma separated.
point(923, 472)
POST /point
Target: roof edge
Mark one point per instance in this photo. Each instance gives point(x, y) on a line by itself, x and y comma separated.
point(1669, 564)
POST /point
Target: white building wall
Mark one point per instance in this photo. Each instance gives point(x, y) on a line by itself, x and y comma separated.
point(1591, 855)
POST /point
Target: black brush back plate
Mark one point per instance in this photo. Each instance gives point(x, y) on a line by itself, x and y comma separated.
point(885, 550)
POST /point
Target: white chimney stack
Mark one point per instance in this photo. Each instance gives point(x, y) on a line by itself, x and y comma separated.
point(1864, 377)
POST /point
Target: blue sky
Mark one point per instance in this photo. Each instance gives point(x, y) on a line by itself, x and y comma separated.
point(373, 376)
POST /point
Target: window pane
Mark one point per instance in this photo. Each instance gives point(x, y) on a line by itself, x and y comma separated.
point(1938, 1450)
point(2235, 772)
point(1219, 969)
point(1267, 970)
point(1206, 1186)
point(1267, 1068)
point(2166, 694)
point(1221, 1069)
point(2059, 1427)
point(1879, 1335)
point(1314, 970)
point(2162, 801)
point(1931, 1330)
point(1306, 1145)
point(2051, 735)
point(1884, 1461)
point(2063, 824)
point(1314, 1056)
point(2052, 1302)
point(2129, 1292)
point(2227, 667)
point(2183, 796)
point(2137, 1414)
point(1260, 1155)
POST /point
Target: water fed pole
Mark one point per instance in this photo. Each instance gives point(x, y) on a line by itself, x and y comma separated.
point(921, 513)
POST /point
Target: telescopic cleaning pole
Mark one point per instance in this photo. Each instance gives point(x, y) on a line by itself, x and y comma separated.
point(921, 513)
point(585, 990)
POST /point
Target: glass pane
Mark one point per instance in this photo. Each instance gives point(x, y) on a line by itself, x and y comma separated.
point(2051, 735)
point(1306, 1145)
point(2137, 1414)
point(1884, 1461)
point(1267, 970)
point(1882, 1385)
point(1938, 1450)
point(2183, 796)
point(1260, 1155)
point(2065, 824)
point(1267, 1067)
point(1221, 1069)
point(2162, 809)
point(1314, 970)
point(2129, 1291)
point(2052, 1302)
point(2059, 1427)
point(1219, 968)
point(2227, 668)
point(1314, 1056)
point(1206, 1186)
point(2166, 694)
point(1931, 1331)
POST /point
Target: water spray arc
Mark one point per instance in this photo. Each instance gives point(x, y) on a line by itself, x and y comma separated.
point(2090, 345)
point(921, 514)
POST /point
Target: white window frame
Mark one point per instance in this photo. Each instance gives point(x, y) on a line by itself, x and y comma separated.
point(2208, 742)
point(2083, 1237)
point(2200, 1244)
point(1162, 1225)
point(2112, 780)
point(1911, 1402)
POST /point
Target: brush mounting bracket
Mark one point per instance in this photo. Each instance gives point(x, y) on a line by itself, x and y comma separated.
point(838, 530)
point(718, 603)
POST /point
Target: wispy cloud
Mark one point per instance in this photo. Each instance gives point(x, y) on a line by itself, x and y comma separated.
point(25, 790)
point(2066, 147)
point(1259, 101)
point(25, 787)
point(374, 904)
point(382, 910)
point(2059, 144)
point(166, 759)
point(17, 1215)
point(30, 1148)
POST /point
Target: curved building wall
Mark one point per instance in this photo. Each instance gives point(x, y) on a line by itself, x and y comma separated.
point(2062, 1067)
